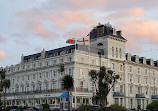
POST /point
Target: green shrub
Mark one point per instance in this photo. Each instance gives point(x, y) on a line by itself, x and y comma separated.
point(20, 108)
point(24, 107)
point(86, 108)
point(153, 106)
point(118, 108)
point(8, 108)
point(45, 106)
point(1, 103)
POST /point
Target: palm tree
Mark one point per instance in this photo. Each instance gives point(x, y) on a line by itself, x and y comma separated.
point(5, 84)
point(67, 83)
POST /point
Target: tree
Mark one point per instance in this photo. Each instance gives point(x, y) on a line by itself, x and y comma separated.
point(2, 77)
point(62, 69)
point(105, 80)
point(5, 84)
point(67, 83)
point(153, 106)
point(94, 77)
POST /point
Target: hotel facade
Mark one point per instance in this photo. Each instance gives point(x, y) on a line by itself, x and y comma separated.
point(37, 80)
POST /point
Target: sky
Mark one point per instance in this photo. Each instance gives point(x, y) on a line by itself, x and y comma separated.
point(29, 26)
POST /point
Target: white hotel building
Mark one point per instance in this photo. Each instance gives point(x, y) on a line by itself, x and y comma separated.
point(37, 80)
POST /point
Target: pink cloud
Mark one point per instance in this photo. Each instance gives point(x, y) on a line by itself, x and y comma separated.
point(32, 22)
point(126, 4)
point(3, 55)
point(74, 4)
point(78, 32)
point(139, 28)
point(87, 4)
point(133, 46)
point(38, 28)
point(137, 31)
point(134, 12)
point(66, 18)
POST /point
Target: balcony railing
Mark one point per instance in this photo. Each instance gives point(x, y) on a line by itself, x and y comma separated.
point(154, 96)
point(35, 92)
point(118, 94)
point(140, 96)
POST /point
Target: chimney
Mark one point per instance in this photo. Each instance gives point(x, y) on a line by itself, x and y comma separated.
point(144, 60)
point(119, 33)
point(136, 58)
point(156, 63)
point(99, 24)
point(128, 56)
point(150, 62)
point(43, 53)
point(22, 58)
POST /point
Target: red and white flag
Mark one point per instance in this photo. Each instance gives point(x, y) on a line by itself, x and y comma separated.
point(83, 41)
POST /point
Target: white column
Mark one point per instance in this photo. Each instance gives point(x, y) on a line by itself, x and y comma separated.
point(15, 103)
point(47, 100)
point(40, 101)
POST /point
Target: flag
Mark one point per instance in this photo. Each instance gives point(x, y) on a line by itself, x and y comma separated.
point(71, 41)
point(83, 41)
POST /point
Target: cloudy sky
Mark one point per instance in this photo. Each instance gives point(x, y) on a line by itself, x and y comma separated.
point(29, 26)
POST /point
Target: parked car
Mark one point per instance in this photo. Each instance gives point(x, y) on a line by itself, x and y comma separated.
point(14, 110)
point(29, 109)
point(1, 108)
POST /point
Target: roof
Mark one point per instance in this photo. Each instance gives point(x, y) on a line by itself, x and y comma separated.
point(103, 30)
point(60, 51)
point(65, 94)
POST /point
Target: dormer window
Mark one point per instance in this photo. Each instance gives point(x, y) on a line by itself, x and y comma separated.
point(100, 31)
point(100, 44)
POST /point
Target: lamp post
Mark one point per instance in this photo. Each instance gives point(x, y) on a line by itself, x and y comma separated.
point(99, 53)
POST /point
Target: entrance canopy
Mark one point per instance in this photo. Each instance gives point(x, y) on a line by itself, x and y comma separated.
point(65, 94)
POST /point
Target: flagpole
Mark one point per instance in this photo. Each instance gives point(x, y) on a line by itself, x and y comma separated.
point(75, 72)
point(73, 41)
point(89, 68)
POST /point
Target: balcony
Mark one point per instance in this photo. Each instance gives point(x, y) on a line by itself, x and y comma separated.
point(140, 96)
point(154, 97)
point(118, 94)
point(82, 89)
point(35, 92)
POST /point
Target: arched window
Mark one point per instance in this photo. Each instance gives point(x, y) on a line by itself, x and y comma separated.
point(120, 52)
point(113, 66)
point(116, 53)
point(112, 51)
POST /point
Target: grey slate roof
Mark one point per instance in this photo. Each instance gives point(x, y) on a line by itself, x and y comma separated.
point(59, 51)
point(108, 30)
